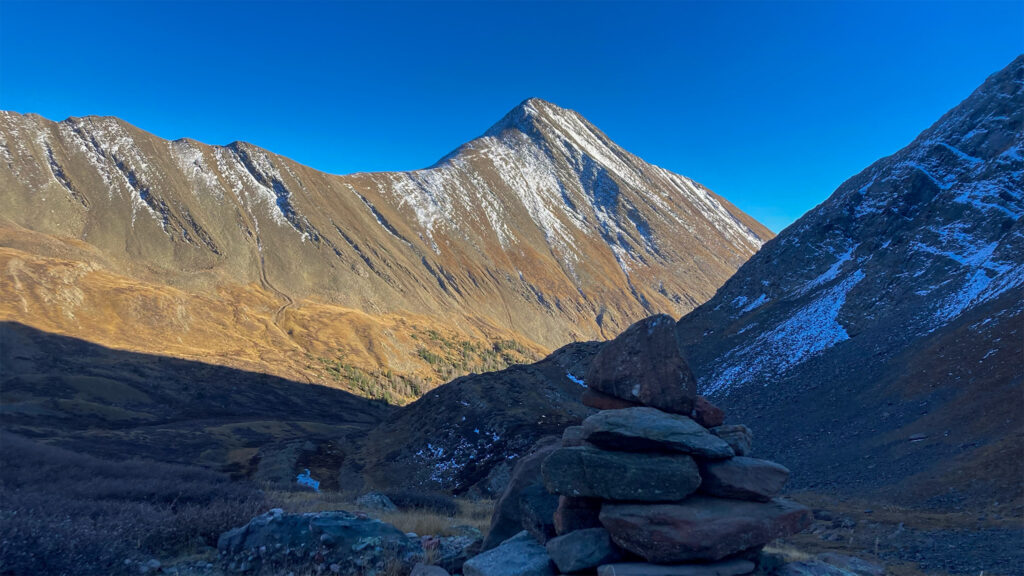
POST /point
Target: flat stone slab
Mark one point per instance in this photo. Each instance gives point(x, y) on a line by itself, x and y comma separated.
point(586, 472)
point(743, 478)
point(643, 429)
point(738, 436)
point(726, 568)
point(700, 528)
point(520, 555)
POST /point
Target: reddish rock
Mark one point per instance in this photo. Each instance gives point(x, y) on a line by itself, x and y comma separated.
point(738, 436)
point(707, 414)
point(603, 401)
point(743, 478)
point(700, 528)
point(576, 514)
point(643, 365)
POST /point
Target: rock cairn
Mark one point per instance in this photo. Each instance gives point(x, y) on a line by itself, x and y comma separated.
point(655, 483)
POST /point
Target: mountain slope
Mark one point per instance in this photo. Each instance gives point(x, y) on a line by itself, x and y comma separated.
point(893, 309)
point(539, 232)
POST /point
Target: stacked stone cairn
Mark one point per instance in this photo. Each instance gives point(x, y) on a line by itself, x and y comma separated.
point(654, 484)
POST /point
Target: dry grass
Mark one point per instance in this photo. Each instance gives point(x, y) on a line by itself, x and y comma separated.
point(474, 513)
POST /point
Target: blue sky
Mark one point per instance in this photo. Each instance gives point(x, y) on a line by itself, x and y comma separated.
point(772, 105)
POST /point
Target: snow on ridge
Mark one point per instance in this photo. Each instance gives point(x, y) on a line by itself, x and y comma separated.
point(807, 332)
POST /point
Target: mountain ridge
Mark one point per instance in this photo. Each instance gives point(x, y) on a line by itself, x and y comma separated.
point(541, 238)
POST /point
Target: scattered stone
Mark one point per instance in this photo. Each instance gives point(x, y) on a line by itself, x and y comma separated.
point(725, 568)
point(520, 555)
point(648, 429)
point(576, 514)
point(743, 478)
point(537, 512)
point(918, 437)
point(643, 365)
point(737, 436)
point(424, 570)
point(507, 520)
point(573, 436)
point(316, 541)
point(700, 528)
point(151, 565)
point(376, 501)
point(582, 549)
point(587, 472)
point(602, 401)
point(707, 414)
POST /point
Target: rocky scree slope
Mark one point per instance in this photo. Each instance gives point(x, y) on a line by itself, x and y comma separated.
point(877, 340)
point(541, 231)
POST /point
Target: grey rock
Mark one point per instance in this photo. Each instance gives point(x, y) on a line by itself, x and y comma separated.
point(376, 501)
point(520, 555)
point(738, 436)
point(643, 365)
point(831, 564)
point(573, 436)
point(582, 549)
point(314, 542)
point(724, 568)
point(587, 472)
point(644, 429)
point(744, 478)
point(507, 518)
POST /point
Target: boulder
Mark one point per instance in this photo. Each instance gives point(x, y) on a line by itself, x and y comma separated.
point(700, 528)
point(451, 552)
point(376, 501)
point(507, 521)
point(576, 514)
point(582, 549)
point(707, 414)
point(737, 436)
point(743, 478)
point(582, 471)
point(345, 543)
point(644, 429)
point(537, 512)
point(643, 365)
point(724, 568)
point(573, 436)
point(602, 401)
point(520, 555)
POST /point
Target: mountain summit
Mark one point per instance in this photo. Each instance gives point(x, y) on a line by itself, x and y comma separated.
point(540, 232)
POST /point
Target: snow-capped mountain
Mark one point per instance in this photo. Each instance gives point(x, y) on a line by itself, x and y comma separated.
point(542, 230)
point(891, 309)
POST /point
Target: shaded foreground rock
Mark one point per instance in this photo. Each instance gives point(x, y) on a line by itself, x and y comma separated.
point(707, 414)
point(582, 471)
point(737, 436)
point(700, 528)
point(725, 568)
point(573, 436)
point(520, 555)
point(831, 564)
point(582, 549)
point(576, 514)
point(507, 520)
point(643, 365)
point(537, 512)
point(317, 542)
point(743, 478)
point(647, 429)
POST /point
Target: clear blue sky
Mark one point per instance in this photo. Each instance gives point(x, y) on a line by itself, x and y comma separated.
point(772, 105)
